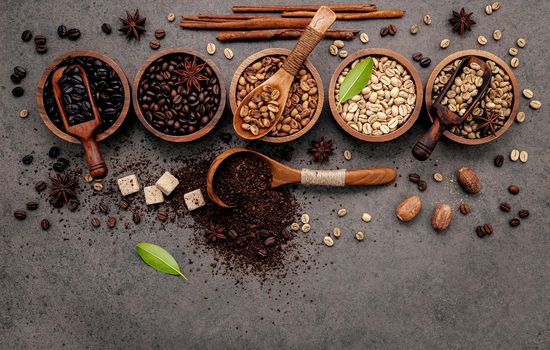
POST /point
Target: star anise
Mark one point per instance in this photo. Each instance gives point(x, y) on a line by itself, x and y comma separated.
point(489, 123)
point(62, 188)
point(191, 74)
point(133, 26)
point(462, 21)
point(214, 233)
point(321, 150)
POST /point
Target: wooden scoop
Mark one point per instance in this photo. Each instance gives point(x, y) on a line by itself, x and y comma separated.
point(283, 175)
point(85, 131)
point(283, 78)
point(445, 118)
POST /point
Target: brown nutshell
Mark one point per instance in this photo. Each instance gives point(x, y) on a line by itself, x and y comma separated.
point(409, 208)
point(467, 178)
point(442, 216)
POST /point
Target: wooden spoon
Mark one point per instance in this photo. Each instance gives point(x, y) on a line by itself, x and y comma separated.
point(283, 78)
point(283, 175)
point(85, 131)
point(445, 118)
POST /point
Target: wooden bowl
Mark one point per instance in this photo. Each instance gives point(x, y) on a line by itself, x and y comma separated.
point(183, 138)
point(377, 52)
point(45, 75)
point(486, 55)
point(278, 52)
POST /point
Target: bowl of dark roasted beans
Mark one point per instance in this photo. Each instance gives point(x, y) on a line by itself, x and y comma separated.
point(109, 86)
point(179, 95)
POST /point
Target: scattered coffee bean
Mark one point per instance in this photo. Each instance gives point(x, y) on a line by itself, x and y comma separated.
point(26, 35)
point(505, 207)
point(58, 167)
point(27, 159)
point(425, 62)
point(20, 72)
point(342, 212)
point(73, 205)
point(306, 228)
point(338, 43)
point(24, 113)
point(364, 38)
point(18, 91)
point(520, 117)
point(366, 217)
point(103, 208)
point(171, 17)
point(444, 43)
point(40, 40)
point(514, 155)
point(261, 253)
point(414, 29)
point(413, 177)
point(162, 216)
point(427, 19)
point(295, 226)
point(88, 178)
point(514, 62)
point(521, 42)
point(32, 205)
point(515, 222)
point(392, 30)
point(523, 213)
point(535, 104)
point(417, 56)
point(438, 177)
point(484, 230)
point(343, 53)
point(464, 208)
point(347, 155)
point(359, 236)
point(41, 49)
point(482, 40)
point(73, 34)
point(328, 241)
point(136, 218)
point(154, 44)
point(15, 78)
point(286, 234)
point(496, 5)
point(123, 204)
point(160, 33)
point(333, 50)
point(54, 152)
point(497, 35)
point(422, 185)
point(98, 186)
point(234, 235)
point(305, 218)
point(228, 53)
point(40, 186)
point(499, 160)
point(106, 28)
point(528, 94)
point(111, 222)
point(523, 156)
point(336, 232)
point(270, 242)
point(512, 51)
point(20, 214)
point(95, 222)
point(488, 9)
point(45, 224)
point(211, 48)
point(384, 31)
point(62, 31)
point(513, 189)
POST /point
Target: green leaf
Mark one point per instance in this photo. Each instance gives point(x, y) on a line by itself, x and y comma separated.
point(158, 258)
point(356, 80)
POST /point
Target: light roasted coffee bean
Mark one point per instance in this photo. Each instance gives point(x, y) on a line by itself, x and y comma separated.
point(427, 19)
point(528, 94)
point(482, 40)
point(342, 212)
point(336, 232)
point(535, 104)
point(497, 35)
point(523, 156)
point(364, 38)
point(444, 43)
point(295, 226)
point(338, 43)
point(488, 9)
point(359, 236)
point(171, 17)
point(514, 62)
point(520, 117)
point(228, 53)
point(512, 51)
point(521, 42)
point(24, 113)
point(366, 217)
point(211, 48)
point(343, 54)
point(496, 5)
point(514, 155)
point(306, 228)
point(347, 155)
point(438, 177)
point(333, 50)
point(414, 29)
point(328, 241)
point(305, 218)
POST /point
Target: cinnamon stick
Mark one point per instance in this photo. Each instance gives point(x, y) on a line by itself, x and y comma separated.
point(380, 14)
point(283, 8)
point(265, 22)
point(225, 16)
point(274, 34)
point(204, 19)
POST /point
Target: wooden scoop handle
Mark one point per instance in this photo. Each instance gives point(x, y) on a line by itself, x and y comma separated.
point(94, 159)
point(313, 34)
point(425, 145)
point(362, 177)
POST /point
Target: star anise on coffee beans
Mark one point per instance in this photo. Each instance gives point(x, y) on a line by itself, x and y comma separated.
point(462, 21)
point(133, 26)
point(321, 150)
point(214, 233)
point(62, 188)
point(489, 123)
point(191, 74)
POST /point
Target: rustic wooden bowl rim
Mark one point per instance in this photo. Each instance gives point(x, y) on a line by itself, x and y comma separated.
point(483, 54)
point(279, 52)
point(377, 52)
point(183, 138)
point(78, 53)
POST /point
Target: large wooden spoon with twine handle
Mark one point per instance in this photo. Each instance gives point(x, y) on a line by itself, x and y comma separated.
point(282, 80)
point(85, 131)
point(283, 175)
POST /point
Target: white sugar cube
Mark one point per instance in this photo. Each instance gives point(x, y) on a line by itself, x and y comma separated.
point(194, 199)
point(167, 183)
point(128, 185)
point(153, 195)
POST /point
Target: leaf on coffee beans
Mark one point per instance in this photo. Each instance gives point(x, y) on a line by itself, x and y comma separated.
point(158, 258)
point(356, 80)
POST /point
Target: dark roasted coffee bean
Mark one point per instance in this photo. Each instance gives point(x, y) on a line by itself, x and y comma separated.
point(124, 204)
point(232, 234)
point(20, 214)
point(40, 40)
point(261, 253)
point(73, 34)
point(32, 205)
point(154, 44)
point(111, 222)
point(417, 56)
point(422, 185)
point(413, 177)
point(392, 30)
point(45, 224)
point(26, 35)
point(464, 208)
point(479, 232)
point(505, 207)
point(62, 31)
point(95, 222)
point(269, 242)
point(16, 79)
point(384, 31)
point(41, 49)
point(18, 91)
point(286, 234)
point(513, 189)
point(160, 34)
point(515, 222)
point(162, 216)
point(73, 205)
point(136, 218)
point(27, 159)
point(103, 208)
point(20, 71)
point(106, 28)
point(63, 161)
point(40, 186)
point(523, 213)
point(425, 62)
point(487, 229)
point(58, 167)
point(499, 160)
point(54, 152)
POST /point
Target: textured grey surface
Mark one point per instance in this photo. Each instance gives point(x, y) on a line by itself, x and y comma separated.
point(403, 287)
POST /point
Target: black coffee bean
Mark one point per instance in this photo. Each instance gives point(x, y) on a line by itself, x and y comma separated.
point(160, 34)
point(40, 186)
point(162, 216)
point(27, 159)
point(488, 229)
point(515, 222)
point(40, 40)
point(523, 213)
point(62, 31)
point(261, 253)
point(417, 56)
point(154, 44)
point(124, 204)
point(41, 49)
point(422, 185)
point(18, 91)
point(414, 177)
point(286, 234)
point(73, 34)
point(392, 30)
point(111, 222)
point(505, 207)
point(54, 152)
point(20, 71)
point(58, 167)
point(136, 218)
point(513, 189)
point(232, 234)
point(479, 232)
point(95, 222)
point(104, 208)
point(64, 162)
point(20, 214)
point(425, 62)
point(499, 160)
point(384, 31)
point(16, 79)
point(26, 35)
point(270, 242)
point(32, 205)
point(106, 28)
point(45, 224)
point(73, 205)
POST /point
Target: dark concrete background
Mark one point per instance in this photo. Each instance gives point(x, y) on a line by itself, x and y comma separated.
point(405, 286)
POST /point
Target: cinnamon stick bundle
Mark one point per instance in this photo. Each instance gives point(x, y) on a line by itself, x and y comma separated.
point(380, 14)
point(273, 34)
point(284, 8)
point(250, 24)
point(225, 16)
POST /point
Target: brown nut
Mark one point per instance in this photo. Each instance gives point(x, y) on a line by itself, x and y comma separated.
point(409, 208)
point(442, 216)
point(468, 180)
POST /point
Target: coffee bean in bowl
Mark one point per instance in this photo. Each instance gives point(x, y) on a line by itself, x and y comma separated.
point(179, 95)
